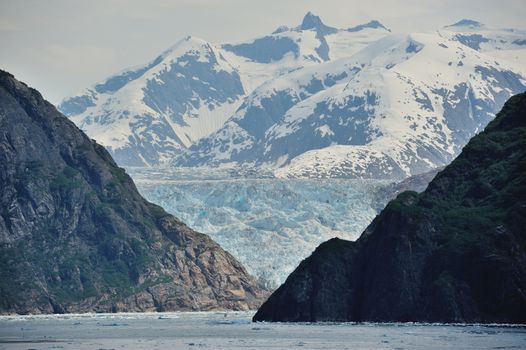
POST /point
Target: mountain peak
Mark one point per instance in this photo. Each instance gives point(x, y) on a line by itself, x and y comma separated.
point(374, 24)
point(187, 43)
point(311, 21)
point(281, 29)
point(467, 23)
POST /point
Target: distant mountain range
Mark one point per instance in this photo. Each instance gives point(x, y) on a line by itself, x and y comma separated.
point(309, 101)
point(453, 253)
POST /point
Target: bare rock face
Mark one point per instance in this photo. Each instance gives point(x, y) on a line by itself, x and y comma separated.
point(454, 253)
point(76, 236)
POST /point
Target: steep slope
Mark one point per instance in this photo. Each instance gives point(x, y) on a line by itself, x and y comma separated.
point(455, 253)
point(76, 236)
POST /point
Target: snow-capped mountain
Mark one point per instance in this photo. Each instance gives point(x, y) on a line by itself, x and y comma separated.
point(149, 114)
point(402, 105)
point(310, 101)
point(412, 106)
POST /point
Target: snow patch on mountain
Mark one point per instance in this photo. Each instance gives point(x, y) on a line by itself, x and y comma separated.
point(339, 161)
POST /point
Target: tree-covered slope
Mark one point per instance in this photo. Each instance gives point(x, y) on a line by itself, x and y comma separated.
point(454, 253)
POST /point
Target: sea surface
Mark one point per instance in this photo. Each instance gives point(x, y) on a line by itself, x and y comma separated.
point(234, 330)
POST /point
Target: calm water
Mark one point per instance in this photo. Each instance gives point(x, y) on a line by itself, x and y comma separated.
point(235, 331)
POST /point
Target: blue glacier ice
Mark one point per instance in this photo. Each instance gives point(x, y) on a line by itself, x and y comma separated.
point(268, 224)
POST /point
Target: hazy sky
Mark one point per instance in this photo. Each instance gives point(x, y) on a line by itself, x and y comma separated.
point(62, 46)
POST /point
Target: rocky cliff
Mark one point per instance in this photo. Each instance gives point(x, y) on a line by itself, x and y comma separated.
point(76, 236)
point(454, 253)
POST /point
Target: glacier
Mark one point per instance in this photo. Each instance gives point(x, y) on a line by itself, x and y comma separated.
point(269, 224)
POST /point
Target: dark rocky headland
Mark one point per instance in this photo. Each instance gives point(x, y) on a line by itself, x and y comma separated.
point(454, 253)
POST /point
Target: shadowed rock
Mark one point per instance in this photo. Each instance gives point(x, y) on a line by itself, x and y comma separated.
point(454, 253)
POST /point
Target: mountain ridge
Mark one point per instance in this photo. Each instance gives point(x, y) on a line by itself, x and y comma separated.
point(130, 125)
point(283, 100)
point(454, 253)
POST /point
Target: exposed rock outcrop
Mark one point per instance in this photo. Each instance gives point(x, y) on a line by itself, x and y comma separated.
point(76, 236)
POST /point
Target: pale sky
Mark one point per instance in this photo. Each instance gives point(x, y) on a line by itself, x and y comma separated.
point(63, 46)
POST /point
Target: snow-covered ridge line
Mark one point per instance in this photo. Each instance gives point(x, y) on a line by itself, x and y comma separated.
point(397, 104)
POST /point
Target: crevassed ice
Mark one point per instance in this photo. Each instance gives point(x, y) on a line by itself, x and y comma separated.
point(269, 225)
